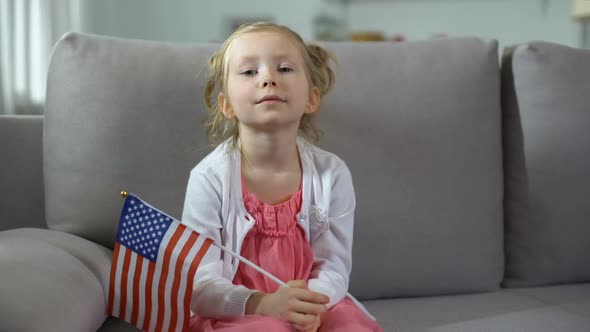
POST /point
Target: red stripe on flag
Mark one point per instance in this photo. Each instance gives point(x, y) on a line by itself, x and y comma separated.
point(178, 276)
point(113, 276)
point(124, 276)
point(136, 279)
point(191, 277)
point(148, 295)
point(164, 275)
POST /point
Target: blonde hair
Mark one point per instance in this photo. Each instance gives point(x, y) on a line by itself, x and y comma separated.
point(317, 67)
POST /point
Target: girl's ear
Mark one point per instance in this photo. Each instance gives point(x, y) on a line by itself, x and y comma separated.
point(313, 104)
point(225, 106)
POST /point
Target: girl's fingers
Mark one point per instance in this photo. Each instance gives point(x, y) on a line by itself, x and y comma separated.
point(301, 320)
point(309, 308)
point(311, 296)
point(300, 328)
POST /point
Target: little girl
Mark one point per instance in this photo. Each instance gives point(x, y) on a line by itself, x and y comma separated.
point(270, 195)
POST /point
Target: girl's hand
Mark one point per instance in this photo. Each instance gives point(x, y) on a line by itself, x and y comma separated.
point(315, 327)
point(296, 304)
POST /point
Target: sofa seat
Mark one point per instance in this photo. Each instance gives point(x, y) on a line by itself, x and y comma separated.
point(542, 309)
point(52, 281)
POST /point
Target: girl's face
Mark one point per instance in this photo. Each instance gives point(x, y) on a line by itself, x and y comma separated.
point(267, 86)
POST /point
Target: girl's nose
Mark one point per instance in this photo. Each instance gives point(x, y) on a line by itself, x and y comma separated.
point(269, 82)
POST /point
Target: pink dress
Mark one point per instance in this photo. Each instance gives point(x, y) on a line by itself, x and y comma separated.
point(277, 243)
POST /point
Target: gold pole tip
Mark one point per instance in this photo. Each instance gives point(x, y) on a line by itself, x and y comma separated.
point(123, 194)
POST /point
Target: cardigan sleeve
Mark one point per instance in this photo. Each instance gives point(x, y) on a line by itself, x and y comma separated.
point(333, 248)
point(213, 296)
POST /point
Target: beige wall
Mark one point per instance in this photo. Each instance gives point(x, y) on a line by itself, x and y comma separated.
point(581, 9)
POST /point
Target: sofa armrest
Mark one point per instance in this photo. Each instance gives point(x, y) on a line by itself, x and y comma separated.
point(21, 172)
point(52, 281)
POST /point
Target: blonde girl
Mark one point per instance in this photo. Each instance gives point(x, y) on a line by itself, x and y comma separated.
point(269, 194)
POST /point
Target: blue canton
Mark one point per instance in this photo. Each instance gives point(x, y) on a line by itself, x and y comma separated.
point(142, 228)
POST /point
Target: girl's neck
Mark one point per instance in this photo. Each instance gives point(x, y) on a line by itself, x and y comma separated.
point(269, 152)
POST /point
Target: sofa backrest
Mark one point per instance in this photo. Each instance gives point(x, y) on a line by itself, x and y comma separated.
point(546, 107)
point(21, 172)
point(120, 115)
point(417, 123)
point(419, 126)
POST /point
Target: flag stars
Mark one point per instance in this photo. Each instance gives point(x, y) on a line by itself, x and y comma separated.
point(142, 229)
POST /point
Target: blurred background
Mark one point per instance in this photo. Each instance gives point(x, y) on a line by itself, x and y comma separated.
point(29, 28)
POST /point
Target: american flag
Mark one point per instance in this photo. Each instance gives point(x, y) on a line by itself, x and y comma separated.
point(154, 263)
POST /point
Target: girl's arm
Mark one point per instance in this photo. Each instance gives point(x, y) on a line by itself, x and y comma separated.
point(213, 295)
point(333, 248)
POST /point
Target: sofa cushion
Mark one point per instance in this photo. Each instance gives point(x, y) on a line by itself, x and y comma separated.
point(21, 172)
point(419, 126)
point(573, 298)
point(541, 309)
point(47, 274)
point(547, 158)
point(120, 115)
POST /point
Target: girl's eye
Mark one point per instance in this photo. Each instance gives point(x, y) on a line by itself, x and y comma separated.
point(249, 72)
point(285, 70)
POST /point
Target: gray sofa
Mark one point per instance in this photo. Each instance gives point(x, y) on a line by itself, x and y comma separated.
point(471, 176)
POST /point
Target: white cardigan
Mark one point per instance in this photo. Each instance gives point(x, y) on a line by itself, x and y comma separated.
point(214, 207)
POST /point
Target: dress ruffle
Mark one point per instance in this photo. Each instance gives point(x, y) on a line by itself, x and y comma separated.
point(276, 243)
